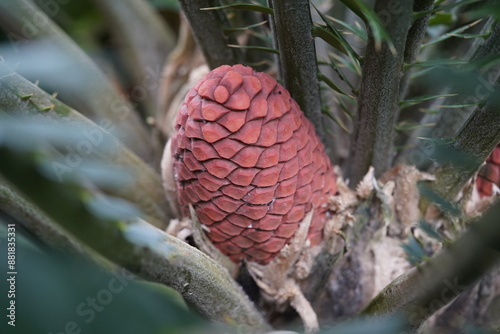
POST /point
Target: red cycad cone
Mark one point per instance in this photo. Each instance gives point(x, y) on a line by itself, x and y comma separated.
point(250, 163)
point(489, 175)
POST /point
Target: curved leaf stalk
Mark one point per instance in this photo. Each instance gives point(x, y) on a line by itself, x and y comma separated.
point(489, 49)
point(35, 220)
point(448, 121)
point(17, 206)
point(92, 93)
point(137, 246)
point(21, 97)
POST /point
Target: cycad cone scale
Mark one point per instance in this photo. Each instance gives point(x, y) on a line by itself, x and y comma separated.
point(489, 175)
point(250, 163)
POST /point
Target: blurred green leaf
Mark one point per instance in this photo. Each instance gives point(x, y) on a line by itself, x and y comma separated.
point(482, 64)
point(144, 41)
point(205, 285)
point(23, 133)
point(245, 6)
point(436, 8)
point(104, 175)
point(355, 29)
point(77, 139)
point(436, 63)
point(331, 84)
point(488, 9)
point(144, 235)
point(22, 240)
point(363, 325)
point(172, 5)
point(409, 126)
point(350, 63)
point(332, 36)
point(254, 47)
point(112, 208)
point(441, 18)
point(355, 9)
point(167, 292)
point(341, 74)
point(466, 77)
point(337, 120)
point(416, 100)
point(430, 231)
point(455, 106)
point(467, 36)
point(58, 293)
point(414, 251)
point(343, 105)
point(471, 329)
point(417, 73)
point(440, 201)
point(446, 153)
point(87, 88)
point(371, 19)
point(236, 29)
point(429, 111)
point(457, 33)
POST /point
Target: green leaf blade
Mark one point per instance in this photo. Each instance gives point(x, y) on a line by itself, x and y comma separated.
point(244, 6)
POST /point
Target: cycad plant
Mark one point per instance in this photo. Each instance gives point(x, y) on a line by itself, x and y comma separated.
point(330, 184)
